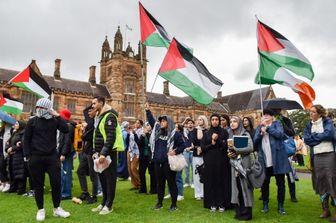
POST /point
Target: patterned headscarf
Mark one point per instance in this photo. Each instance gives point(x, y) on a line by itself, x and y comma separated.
point(43, 108)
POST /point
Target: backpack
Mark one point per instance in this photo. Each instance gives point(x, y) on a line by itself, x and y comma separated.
point(77, 140)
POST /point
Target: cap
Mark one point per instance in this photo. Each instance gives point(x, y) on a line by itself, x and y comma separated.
point(65, 114)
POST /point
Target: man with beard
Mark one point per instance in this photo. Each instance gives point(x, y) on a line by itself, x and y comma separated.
point(107, 140)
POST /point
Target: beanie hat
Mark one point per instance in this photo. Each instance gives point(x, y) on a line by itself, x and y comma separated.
point(44, 103)
point(65, 114)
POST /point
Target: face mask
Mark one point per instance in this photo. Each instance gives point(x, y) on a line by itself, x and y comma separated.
point(43, 113)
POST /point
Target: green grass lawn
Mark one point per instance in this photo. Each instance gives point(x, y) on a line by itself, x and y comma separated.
point(131, 207)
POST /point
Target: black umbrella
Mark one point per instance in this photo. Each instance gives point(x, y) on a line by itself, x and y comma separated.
point(280, 103)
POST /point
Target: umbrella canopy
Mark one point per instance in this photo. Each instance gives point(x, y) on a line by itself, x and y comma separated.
point(7, 118)
point(280, 103)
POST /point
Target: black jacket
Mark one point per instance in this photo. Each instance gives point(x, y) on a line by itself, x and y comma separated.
point(105, 148)
point(40, 136)
point(65, 140)
point(17, 163)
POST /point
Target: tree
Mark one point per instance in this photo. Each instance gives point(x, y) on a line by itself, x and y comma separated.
point(299, 118)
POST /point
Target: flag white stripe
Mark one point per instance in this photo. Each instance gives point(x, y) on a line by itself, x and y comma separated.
point(192, 74)
point(289, 80)
point(14, 104)
point(33, 86)
point(291, 51)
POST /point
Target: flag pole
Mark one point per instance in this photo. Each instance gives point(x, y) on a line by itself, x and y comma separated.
point(143, 81)
point(259, 77)
point(154, 82)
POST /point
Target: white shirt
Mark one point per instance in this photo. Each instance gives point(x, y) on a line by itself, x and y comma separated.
point(325, 146)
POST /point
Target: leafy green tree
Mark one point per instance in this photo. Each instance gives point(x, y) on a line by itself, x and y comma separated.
point(299, 118)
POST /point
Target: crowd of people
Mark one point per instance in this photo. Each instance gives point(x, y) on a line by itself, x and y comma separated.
point(217, 169)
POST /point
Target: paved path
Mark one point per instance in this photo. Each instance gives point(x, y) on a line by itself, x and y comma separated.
point(303, 175)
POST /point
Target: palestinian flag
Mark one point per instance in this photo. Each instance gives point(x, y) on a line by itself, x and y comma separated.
point(10, 106)
point(187, 73)
point(32, 82)
point(152, 32)
point(279, 60)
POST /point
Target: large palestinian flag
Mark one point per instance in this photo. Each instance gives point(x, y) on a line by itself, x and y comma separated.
point(152, 32)
point(187, 73)
point(32, 82)
point(279, 60)
point(10, 106)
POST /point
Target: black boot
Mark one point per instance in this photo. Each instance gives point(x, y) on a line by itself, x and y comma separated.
point(281, 209)
point(265, 207)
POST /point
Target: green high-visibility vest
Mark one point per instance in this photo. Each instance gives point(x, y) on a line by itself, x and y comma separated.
point(119, 142)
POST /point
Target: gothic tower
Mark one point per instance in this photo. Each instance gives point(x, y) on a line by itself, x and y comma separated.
point(121, 73)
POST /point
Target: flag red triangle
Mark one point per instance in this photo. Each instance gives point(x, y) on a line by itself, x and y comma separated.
point(2, 100)
point(266, 40)
point(173, 59)
point(146, 25)
point(23, 76)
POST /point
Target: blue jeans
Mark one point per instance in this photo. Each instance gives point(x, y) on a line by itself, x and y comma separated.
point(179, 183)
point(66, 176)
point(188, 157)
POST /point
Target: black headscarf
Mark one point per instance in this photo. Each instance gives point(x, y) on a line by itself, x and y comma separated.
point(212, 128)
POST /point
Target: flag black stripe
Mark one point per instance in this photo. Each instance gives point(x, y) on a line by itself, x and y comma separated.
point(158, 26)
point(39, 80)
point(198, 64)
point(275, 33)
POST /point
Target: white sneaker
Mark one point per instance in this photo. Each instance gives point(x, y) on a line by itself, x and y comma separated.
point(6, 187)
point(221, 209)
point(40, 215)
point(213, 209)
point(167, 196)
point(186, 185)
point(192, 186)
point(105, 210)
point(97, 209)
point(180, 198)
point(1, 186)
point(59, 212)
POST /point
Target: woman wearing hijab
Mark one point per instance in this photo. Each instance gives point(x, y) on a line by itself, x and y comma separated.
point(318, 134)
point(242, 192)
point(164, 142)
point(15, 152)
point(217, 169)
point(197, 136)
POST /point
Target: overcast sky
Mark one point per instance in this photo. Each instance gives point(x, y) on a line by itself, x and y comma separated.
point(221, 33)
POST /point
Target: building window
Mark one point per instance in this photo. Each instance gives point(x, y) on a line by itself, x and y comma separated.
point(130, 68)
point(129, 105)
point(29, 101)
point(72, 105)
point(129, 109)
point(130, 86)
point(56, 103)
